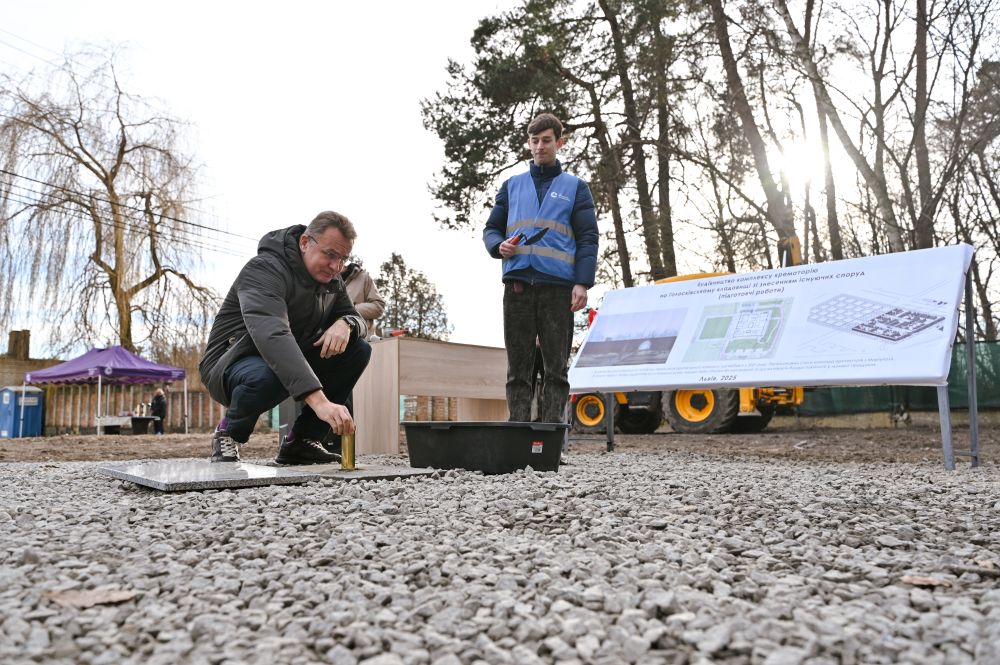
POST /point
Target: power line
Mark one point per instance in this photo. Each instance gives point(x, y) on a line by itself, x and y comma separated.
point(124, 205)
point(64, 67)
point(200, 212)
point(28, 41)
point(193, 241)
point(188, 240)
point(28, 53)
point(178, 240)
point(65, 56)
point(38, 197)
point(13, 66)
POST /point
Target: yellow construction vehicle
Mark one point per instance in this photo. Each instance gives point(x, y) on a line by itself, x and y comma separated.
point(695, 411)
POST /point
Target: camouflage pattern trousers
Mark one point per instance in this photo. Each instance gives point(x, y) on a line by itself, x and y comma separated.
point(539, 311)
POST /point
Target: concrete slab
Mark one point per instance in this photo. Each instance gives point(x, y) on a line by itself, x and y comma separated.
point(362, 472)
point(201, 474)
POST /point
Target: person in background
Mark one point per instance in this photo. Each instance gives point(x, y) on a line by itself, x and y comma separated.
point(370, 305)
point(158, 409)
point(364, 294)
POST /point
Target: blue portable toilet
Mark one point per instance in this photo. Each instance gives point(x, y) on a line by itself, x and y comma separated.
point(12, 424)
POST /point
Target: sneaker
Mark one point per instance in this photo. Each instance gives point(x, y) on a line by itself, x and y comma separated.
point(301, 450)
point(224, 449)
point(331, 442)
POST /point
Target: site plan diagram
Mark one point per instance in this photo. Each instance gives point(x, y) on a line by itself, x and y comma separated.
point(879, 320)
point(739, 330)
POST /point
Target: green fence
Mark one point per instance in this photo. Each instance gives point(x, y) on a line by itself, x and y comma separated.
point(868, 399)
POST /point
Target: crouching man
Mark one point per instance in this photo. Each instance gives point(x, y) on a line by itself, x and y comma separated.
point(287, 327)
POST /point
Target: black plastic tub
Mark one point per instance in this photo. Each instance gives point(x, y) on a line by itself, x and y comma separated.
point(490, 447)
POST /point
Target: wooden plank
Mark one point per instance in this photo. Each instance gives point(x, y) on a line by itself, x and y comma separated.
point(482, 409)
point(476, 375)
point(428, 367)
point(77, 399)
point(376, 402)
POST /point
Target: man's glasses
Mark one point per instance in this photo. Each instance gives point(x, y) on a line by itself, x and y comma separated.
point(329, 253)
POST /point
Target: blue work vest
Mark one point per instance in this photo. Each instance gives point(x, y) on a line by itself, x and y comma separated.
point(555, 253)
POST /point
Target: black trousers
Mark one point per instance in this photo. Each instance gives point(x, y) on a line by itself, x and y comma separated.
point(539, 311)
point(253, 389)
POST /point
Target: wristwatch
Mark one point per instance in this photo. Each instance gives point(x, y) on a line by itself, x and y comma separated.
point(352, 324)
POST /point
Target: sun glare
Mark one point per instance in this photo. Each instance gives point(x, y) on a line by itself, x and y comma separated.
point(801, 162)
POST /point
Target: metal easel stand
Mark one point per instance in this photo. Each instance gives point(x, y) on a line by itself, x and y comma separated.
point(609, 425)
point(944, 406)
point(609, 419)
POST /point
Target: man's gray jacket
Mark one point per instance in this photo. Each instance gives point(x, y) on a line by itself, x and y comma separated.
point(276, 310)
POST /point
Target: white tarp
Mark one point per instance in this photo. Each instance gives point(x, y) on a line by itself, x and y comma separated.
point(877, 320)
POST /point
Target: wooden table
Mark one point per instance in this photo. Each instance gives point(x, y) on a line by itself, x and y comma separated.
point(140, 424)
point(112, 424)
point(476, 375)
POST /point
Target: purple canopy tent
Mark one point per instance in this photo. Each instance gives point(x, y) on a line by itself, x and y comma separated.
point(113, 365)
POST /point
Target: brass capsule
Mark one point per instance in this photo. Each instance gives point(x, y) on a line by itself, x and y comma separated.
point(347, 452)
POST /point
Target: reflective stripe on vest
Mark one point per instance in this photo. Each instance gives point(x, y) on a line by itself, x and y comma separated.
point(555, 253)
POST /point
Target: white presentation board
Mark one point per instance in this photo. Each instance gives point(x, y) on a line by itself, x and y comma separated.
point(876, 320)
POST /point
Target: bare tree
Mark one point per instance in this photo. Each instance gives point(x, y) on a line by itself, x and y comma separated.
point(924, 225)
point(581, 62)
point(633, 128)
point(779, 212)
point(95, 188)
point(609, 170)
point(829, 185)
point(672, 141)
point(720, 153)
point(874, 176)
point(412, 302)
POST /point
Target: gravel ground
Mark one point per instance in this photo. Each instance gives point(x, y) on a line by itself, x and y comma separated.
point(640, 556)
point(792, 440)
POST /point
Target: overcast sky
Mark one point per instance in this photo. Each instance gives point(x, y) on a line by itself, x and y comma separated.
point(297, 107)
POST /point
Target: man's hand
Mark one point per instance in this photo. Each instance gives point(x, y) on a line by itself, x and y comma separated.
point(335, 415)
point(507, 249)
point(579, 300)
point(334, 340)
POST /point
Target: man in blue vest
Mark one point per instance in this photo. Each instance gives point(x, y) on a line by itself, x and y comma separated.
point(545, 281)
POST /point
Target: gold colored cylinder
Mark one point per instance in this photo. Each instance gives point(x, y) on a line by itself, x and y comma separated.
point(347, 452)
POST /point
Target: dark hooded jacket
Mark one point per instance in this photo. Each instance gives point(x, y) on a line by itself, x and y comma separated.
point(276, 310)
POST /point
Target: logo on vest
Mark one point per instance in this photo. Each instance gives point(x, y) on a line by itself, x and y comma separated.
point(557, 195)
